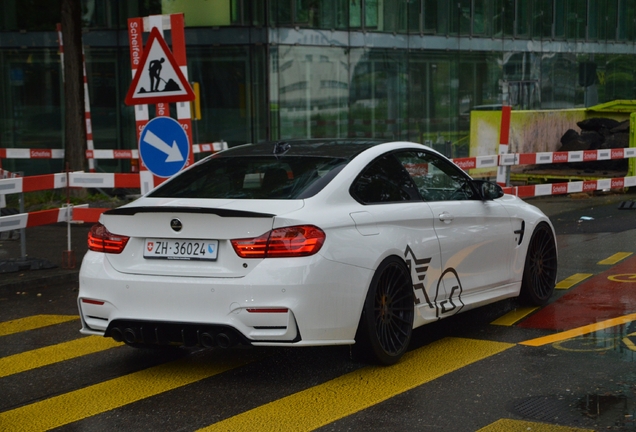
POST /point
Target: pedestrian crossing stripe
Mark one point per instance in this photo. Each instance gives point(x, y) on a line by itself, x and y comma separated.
point(33, 322)
point(514, 316)
point(343, 396)
point(332, 400)
point(54, 354)
point(570, 281)
point(105, 396)
point(306, 410)
point(617, 257)
point(510, 425)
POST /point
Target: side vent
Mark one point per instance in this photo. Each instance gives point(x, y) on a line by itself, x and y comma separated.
point(520, 232)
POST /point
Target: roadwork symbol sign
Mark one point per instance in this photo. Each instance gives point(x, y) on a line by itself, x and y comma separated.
point(158, 78)
point(164, 146)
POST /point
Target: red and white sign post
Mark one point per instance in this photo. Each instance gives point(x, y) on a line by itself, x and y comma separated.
point(153, 67)
point(504, 140)
point(87, 103)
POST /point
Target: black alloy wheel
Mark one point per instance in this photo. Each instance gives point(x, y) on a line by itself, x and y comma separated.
point(386, 324)
point(540, 271)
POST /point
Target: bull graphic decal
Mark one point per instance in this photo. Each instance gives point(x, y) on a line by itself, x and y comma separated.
point(449, 280)
point(421, 267)
point(453, 304)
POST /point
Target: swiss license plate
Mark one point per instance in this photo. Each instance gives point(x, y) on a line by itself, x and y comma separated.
point(181, 249)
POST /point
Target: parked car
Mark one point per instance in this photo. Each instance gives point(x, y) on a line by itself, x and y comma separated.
point(311, 242)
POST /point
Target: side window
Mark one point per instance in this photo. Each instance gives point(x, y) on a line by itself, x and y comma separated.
point(436, 178)
point(383, 181)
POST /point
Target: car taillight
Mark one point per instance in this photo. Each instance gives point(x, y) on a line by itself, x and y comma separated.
point(102, 240)
point(295, 241)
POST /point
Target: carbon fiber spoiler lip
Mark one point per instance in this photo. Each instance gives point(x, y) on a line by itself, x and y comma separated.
point(131, 211)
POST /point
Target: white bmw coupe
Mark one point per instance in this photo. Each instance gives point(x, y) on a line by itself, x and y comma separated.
point(311, 242)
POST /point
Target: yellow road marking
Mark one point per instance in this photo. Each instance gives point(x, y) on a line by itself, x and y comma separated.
point(615, 258)
point(587, 344)
point(53, 354)
point(33, 322)
point(96, 399)
point(325, 403)
point(624, 278)
point(509, 425)
point(514, 316)
point(628, 343)
point(569, 334)
point(569, 282)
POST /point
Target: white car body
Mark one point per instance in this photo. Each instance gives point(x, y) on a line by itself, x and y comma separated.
point(461, 254)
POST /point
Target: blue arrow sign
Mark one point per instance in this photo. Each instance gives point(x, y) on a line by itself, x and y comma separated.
point(164, 146)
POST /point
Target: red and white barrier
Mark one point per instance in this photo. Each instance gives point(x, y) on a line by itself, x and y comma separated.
point(134, 154)
point(113, 154)
point(574, 156)
point(84, 214)
point(104, 180)
point(10, 183)
point(132, 181)
point(4, 174)
point(209, 147)
point(76, 180)
point(32, 183)
point(466, 163)
point(87, 215)
point(37, 218)
point(545, 158)
point(571, 187)
point(22, 153)
point(79, 214)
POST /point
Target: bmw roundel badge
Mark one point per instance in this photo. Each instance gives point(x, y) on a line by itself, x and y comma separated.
point(176, 225)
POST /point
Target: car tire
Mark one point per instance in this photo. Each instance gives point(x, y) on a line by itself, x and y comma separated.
point(386, 323)
point(540, 270)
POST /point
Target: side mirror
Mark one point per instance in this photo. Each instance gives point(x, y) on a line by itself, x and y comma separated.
point(488, 190)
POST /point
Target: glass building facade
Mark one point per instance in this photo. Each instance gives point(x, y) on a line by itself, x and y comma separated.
point(277, 69)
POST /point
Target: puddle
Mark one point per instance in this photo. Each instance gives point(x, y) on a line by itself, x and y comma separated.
point(619, 340)
point(610, 410)
point(600, 411)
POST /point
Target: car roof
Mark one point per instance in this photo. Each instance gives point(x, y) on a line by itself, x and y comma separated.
point(337, 148)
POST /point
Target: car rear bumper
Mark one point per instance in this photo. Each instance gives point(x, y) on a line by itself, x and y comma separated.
point(302, 301)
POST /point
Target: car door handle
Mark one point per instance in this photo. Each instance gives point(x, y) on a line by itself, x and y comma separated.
point(446, 217)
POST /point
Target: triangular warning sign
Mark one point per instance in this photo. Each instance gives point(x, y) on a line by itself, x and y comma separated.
point(158, 78)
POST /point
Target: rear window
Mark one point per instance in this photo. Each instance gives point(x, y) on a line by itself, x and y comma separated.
point(290, 177)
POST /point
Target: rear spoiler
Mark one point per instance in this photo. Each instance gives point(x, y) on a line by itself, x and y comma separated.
point(130, 211)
